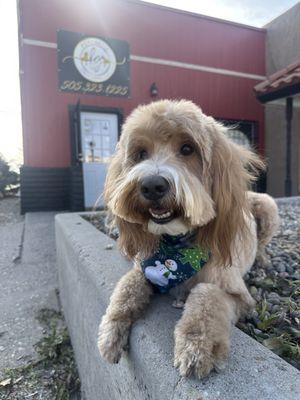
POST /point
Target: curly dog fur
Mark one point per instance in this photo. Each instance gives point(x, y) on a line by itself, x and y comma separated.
point(209, 177)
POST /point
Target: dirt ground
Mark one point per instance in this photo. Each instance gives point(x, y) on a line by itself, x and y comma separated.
point(36, 356)
point(10, 211)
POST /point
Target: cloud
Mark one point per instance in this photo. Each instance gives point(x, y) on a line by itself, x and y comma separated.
point(251, 12)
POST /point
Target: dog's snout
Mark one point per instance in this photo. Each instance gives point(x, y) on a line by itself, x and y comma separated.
point(154, 187)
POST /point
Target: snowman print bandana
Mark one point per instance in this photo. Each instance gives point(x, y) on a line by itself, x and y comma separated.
point(175, 260)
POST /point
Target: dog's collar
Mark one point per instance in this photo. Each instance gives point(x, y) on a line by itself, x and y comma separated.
point(182, 240)
point(175, 260)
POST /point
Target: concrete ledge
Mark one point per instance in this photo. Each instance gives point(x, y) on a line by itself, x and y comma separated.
point(87, 275)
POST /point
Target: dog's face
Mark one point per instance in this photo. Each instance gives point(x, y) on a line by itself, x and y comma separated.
point(174, 170)
point(166, 152)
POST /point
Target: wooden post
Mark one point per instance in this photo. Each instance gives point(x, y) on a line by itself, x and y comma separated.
point(289, 117)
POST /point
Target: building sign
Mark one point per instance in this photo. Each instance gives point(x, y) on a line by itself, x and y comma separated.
point(92, 65)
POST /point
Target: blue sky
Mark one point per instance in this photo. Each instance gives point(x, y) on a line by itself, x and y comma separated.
point(251, 12)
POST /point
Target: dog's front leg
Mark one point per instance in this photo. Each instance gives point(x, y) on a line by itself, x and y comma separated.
point(202, 335)
point(127, 302)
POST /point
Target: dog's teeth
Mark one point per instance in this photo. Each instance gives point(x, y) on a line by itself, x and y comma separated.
point(161, 216)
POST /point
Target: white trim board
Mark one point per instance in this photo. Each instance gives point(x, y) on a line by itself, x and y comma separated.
point(196, 67)
point(39, 43)
point(160, 61)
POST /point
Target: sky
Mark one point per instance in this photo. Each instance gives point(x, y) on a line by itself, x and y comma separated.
point(251, 12)
point(10, 109)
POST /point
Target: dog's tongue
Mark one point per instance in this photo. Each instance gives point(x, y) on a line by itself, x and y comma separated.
point(158, 211)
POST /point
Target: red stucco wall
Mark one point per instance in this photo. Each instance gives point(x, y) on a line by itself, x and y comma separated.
point(152, 32)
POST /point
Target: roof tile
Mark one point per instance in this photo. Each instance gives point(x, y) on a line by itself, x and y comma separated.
point(288, 76)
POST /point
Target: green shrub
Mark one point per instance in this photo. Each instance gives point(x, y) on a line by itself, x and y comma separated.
point(9, 180)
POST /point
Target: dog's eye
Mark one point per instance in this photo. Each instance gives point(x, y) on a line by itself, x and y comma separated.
point(186, 149)
point(142, 155)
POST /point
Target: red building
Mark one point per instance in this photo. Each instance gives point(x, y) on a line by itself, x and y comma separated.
point(168, 54)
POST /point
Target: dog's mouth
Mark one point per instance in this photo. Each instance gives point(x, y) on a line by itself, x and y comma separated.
point(161, 215)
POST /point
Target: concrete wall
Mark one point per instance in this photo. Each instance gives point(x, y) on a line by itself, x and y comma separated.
point(283, 40)
point(282, 48)
point(87, 275)
point(275, 142)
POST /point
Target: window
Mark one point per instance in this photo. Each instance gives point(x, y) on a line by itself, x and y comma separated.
point(239, 137)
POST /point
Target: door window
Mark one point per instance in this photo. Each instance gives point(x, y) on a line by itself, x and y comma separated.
point(239, 137)
point(99, 136)
point(98, 139)
point(241, 132)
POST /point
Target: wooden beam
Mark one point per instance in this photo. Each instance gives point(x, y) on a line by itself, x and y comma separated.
point(289, 117)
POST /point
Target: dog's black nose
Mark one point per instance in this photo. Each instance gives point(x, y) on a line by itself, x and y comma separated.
point(154, 187)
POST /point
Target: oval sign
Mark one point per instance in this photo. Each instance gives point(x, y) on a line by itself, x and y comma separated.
point(94, 59)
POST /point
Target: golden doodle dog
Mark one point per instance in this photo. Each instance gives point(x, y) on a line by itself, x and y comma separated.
point(177, 188)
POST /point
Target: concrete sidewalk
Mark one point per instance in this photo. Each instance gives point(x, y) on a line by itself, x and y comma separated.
point(28, 283)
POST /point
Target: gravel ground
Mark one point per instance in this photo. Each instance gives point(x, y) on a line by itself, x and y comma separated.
point(276, 287)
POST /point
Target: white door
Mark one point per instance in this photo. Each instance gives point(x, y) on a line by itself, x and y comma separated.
point(99, 136)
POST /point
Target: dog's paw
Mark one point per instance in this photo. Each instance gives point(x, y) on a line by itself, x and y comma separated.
point(195, 355)
point(112, 339)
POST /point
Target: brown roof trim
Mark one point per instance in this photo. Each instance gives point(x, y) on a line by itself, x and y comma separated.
point(284, 77)
point(283, 82)
point(195, 15)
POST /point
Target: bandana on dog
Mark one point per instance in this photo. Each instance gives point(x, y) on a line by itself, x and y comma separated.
point(175, 261)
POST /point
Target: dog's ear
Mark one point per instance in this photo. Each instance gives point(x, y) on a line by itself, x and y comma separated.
point(133, 240)
point(232, 170)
